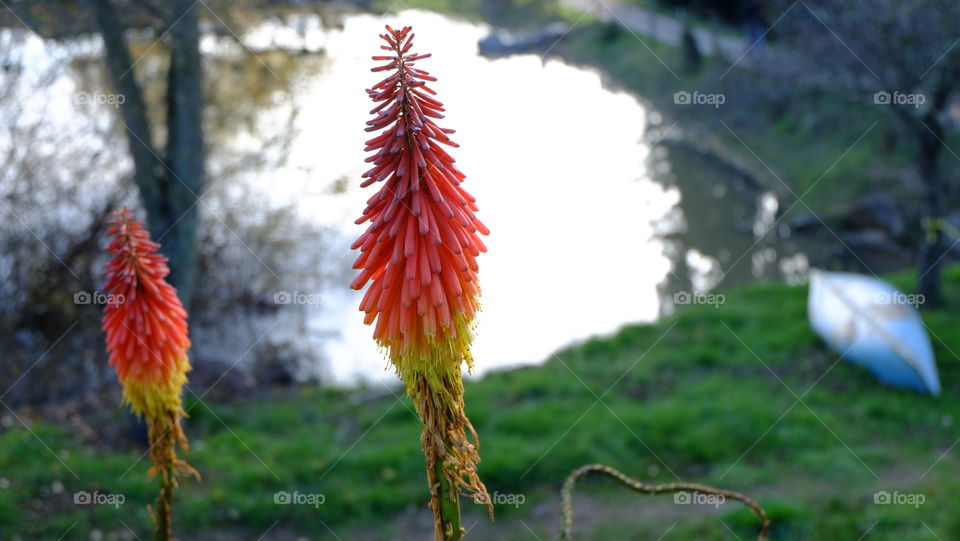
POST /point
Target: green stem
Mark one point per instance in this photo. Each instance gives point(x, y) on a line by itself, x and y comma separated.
point(449, 505)
point(164, 526)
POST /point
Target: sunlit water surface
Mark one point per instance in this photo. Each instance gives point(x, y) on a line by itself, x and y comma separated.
point(585, 239)
point(555, 161)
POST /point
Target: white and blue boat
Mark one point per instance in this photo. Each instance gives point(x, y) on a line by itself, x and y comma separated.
point(870, 323)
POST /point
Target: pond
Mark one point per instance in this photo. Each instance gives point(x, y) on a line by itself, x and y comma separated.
point(591, 230)
point(593, 225)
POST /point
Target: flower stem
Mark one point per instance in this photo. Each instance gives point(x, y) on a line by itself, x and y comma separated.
point(447, 509)
point(163, 525)
point(165, 436)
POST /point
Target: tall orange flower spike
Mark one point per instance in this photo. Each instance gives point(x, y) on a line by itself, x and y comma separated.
point(420, 255)
point(146, 334)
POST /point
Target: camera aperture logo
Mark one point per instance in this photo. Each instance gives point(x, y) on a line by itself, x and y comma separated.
point(296, 297)
point(696, 97)
point(98, 498)
point(497, 498)
point(299, 498)
point(899, 498)
point(709, 299)
point(98, 297)
point(698, 498)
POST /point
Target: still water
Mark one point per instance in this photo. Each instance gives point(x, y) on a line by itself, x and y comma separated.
point(593, 226)
point(589, 230)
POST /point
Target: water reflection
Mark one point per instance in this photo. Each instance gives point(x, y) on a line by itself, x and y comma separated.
point(591, 227)
point(556, 163)
point(585, 237)
point(726, 228)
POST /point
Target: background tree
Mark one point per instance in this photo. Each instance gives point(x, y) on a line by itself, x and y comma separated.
point(170, 182)
point(900, 56)
point(63, 171)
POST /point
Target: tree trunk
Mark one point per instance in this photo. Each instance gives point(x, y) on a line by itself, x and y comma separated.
point(932, 250)
point(147, 166)
point(170, 187)
point(185, 148)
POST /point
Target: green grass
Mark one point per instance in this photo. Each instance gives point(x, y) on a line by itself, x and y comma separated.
point(695, 395)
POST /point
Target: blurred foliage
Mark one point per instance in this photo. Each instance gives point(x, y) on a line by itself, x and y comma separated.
point(60, 180)
point(698, 395)
point(513, 14)
point(806, 141)
point(730, 11)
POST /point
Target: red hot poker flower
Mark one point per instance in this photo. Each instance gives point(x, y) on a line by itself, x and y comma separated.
point(421, 246)
point(420, 254)
point(146, 328)
point(145, 323)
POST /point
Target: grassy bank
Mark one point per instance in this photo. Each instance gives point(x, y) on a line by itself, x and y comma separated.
point(706, 395)
point(828, 158)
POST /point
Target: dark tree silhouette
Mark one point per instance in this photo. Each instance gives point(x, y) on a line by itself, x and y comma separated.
point(170, 180)
point(900, 56)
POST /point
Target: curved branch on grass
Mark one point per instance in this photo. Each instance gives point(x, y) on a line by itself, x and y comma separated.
point(566, 528)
